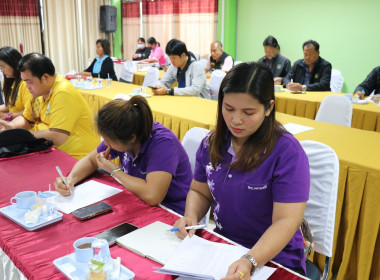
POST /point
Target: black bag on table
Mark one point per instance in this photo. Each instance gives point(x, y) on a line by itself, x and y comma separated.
point(19, 141)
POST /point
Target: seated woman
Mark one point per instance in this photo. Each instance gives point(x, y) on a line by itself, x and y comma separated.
point(154, 165)
point(16, 94)
point(157, 54)
point(102, 65)
point(142, 51)
point(254, 173)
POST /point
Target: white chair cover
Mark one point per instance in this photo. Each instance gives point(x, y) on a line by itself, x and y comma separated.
point(151, 77)
point(203, 62)
point(336, 82)
point(191, 142)
point(196, 55)
point(167, 59)
point(321, 207)
point(237, 62)
point(336, 109)
point(127, 70)
point(216, 79)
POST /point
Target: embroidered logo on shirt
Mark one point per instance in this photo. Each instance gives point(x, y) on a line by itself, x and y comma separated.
point(278, 66)
point(316, 76)
point(257, 188)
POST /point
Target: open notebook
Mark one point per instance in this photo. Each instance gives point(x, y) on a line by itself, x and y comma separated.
point(198, 258)
point(153, 241)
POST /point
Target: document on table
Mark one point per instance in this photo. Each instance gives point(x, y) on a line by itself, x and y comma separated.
point(296, 128)
point(198, 258)
point(83, 195)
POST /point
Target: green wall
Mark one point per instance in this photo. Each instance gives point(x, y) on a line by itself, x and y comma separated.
point(117, 36)
point(348, 32)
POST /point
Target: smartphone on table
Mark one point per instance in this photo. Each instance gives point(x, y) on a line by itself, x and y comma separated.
point(91, 211)
point(154, 88)
point(112, 234)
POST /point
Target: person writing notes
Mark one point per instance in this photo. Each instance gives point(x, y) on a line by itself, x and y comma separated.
point(370, 84)
point(56, 110)
point(102, 66)
point(185, 70)
point(312, 73)
point(142, 51)
point(156, 54)
point(254, 174)
point(15, 92)
point(154, 165)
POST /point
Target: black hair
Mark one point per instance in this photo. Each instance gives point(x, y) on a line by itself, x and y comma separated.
point(152, 40)
point(141, 39)
point(311, 42)
point(270, 41)
point(105, 45)
point(11, 57)
point(176, 47)
point(37, 64)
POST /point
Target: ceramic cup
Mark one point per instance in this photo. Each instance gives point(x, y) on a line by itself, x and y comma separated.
point(83, 250)
point(24, 200)
point(277, 88)
point(137, 91)
point(349, 96)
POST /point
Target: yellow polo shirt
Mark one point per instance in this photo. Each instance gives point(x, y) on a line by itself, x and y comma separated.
point(23, 98)
point(65, 109)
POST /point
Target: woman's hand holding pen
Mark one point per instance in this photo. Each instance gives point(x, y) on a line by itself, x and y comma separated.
point(62, 188)
point(104, 162)
point(181, 224)
point(241, 269)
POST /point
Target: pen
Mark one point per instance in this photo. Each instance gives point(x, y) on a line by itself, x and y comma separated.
point(63, 178)
point(291, 80)
point(189, 227)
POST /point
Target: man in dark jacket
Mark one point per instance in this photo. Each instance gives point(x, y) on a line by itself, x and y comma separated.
point(370, 84)
point(219, 60)
point(312, 73)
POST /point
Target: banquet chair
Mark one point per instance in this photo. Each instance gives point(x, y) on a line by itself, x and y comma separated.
point(321, 206)
point(216, 79)
point(151, 77)
point(196, 56)
point(237, 62)
point(127, 71)
point(203, 62)
point(167, 59)
point(336, 109)
point(336, 82)
point(190, 143)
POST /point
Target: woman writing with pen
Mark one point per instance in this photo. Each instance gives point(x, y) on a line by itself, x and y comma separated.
point(254, 174)
point(154, 165)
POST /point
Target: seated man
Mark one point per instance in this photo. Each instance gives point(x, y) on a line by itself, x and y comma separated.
point(185, 70)
point(57, 111)
point(278, 64)
point(142, 51)
point(312, 73)
point(370, 84)
point(219, 60)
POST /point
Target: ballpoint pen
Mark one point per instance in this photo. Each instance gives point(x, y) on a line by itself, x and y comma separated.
point(63, 178)
point(189, 227)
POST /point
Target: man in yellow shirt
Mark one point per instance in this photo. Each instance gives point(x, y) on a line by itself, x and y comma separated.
point(57, 111)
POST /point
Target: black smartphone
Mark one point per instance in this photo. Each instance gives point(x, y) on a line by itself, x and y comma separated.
point(91, 211)
point(155, 88)
point(112, 234)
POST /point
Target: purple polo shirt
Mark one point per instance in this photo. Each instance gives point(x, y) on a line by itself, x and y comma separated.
point(243, 201)
point(161, 152)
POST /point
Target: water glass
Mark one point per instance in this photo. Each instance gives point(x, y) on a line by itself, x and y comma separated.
point(109, 83)
point(99, 82)
point(143, 90)
point(376, 100)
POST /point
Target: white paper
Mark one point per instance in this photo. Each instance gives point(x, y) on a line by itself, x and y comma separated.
point(85, 194)
point(296, 128)
point(199, 258)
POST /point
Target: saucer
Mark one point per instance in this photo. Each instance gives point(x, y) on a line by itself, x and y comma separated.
point(141, 94)
point(17, 215)
point(360, 102)
point(77, 271)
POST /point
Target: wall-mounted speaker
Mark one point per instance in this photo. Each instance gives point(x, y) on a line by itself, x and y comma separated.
point(108, 19)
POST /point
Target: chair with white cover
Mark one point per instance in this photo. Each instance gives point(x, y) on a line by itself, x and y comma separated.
point(196, 56)
point(336, 82)
point(237, 62)
point(151, 77)
point(216, 79)
point(203, 62)
point(190, 143)
point(336, 109)
point(167, 59)
point(127, 70)
point(321, 206)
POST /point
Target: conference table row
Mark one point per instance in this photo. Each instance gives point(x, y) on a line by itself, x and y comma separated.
point(33, 252)
point(356, 252)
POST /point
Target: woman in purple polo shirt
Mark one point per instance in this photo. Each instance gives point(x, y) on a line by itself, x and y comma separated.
point(154, 165)
point(254, 173)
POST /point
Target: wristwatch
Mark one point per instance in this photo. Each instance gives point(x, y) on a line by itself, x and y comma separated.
point(170, 91)
point(304, 87)
point(9, 117)
point(116, 170)
point(252, 260)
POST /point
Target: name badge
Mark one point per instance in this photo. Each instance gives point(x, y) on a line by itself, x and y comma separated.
point(316, 76)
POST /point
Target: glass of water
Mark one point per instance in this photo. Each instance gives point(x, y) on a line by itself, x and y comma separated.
point(109, 83)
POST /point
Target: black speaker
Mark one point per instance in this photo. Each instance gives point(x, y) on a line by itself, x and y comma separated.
point(108, 19)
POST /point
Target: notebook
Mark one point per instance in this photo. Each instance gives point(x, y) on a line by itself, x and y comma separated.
point(198, 258)
point(153, 241)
